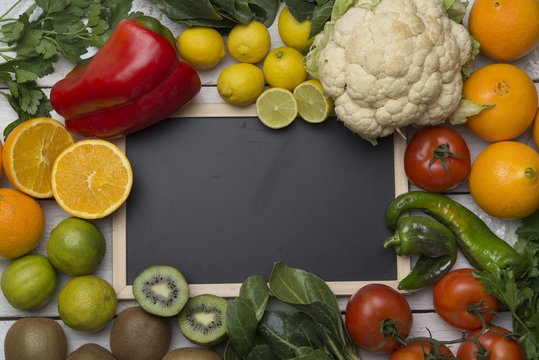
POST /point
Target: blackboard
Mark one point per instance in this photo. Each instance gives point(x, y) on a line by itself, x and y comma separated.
point(224, 198)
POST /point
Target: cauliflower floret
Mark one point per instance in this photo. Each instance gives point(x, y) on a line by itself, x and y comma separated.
point(393, 65)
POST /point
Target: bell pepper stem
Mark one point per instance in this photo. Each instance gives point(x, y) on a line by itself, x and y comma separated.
point(392, 240)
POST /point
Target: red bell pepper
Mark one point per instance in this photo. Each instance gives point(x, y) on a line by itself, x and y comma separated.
point(133, 81)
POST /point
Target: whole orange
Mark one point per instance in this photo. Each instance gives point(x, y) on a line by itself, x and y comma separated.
point(504, 180)
point(506, 29)
point(22, 223)
point(536, 129)
point(513, 94)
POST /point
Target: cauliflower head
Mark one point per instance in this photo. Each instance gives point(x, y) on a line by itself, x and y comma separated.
point(394, 64)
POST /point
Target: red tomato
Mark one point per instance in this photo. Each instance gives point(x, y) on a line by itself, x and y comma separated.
point(499, 346)
point(427, 152)
point(366, 311)
point(456, 293)
point(417, 351)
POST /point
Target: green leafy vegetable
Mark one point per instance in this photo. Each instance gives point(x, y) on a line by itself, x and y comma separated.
point(47, 29)
point(219, 13)
point(312, 329)
point(287, 333)
point(318, 12)
point(255, 289)
point(521, 296)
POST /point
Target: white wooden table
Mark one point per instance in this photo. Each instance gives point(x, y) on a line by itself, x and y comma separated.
point(425, 319)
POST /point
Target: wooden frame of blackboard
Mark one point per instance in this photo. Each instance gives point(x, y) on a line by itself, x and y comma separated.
point(340, 288)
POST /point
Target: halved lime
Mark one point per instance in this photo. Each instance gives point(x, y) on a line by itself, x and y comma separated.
point(276, 108)
point(313, 105)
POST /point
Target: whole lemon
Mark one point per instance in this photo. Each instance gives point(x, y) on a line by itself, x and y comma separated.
point(29, 281)
point(504, 180)
point(87, 303)
point(202, 47)
point(249, 43)
point(76, 246)
point(240, 84)
point(283, 68)
point(294, 33)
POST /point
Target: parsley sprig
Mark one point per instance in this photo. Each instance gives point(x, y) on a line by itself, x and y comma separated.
point(31, 43)
point(521, 296)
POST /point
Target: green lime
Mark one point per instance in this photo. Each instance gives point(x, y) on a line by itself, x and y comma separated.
point(29, 281)
point(276, 108)
point(313, 105)
point(76, 247)
point(87, 303)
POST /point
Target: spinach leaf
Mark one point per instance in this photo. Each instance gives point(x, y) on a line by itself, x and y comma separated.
point(312, 296)
point(321, 15)
point(287, 332)
point(255, 289)
point(230, 353)
point(241, 324)
point(219, 13)
point(301, 10)
point(319, 12)
point(261, 352)
point(295, 286)
point(306, 353)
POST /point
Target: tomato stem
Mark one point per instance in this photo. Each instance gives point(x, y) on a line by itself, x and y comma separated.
point(441, 153)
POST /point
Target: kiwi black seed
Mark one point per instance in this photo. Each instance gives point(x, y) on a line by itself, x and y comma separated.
point(91, 352)
point(161, 290)
point(139, 335)
point(203, 319)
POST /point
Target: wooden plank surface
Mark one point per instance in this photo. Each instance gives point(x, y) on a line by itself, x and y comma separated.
point(425, 319)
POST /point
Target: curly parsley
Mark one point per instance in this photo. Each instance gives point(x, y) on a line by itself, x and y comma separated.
point(33, 42)
point(521, 296)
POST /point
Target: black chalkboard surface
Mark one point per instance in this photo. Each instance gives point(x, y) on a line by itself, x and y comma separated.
point(225, 198)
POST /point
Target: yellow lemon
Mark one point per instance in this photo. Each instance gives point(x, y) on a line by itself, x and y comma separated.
point(294, 33)
point(283, 68)
point(240, 84)
point(313, 105)
point(249, 43)
point(202, 47)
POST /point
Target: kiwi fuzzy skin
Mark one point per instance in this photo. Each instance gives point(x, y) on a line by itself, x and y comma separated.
point(35, 339)
point(192, 353)
point(139, 335)
point(91, 352)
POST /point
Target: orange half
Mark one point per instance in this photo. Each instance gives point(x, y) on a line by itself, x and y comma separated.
point(91, 179)
point(29, 152)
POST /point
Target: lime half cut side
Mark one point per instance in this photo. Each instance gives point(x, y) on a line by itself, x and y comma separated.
point(276, 108)
point(313, 105)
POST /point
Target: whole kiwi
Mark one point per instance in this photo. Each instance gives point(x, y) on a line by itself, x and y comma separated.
point(35, 339)
point(91, 352)
point(192, 353)
point(139, 335)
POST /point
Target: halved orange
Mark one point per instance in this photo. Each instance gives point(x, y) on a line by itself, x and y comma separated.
point(91, 179)
point(29, 152)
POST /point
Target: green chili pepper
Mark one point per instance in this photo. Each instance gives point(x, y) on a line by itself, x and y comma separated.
point(483, 249)
point(434, 242)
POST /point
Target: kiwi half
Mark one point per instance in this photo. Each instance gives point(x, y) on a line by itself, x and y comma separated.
point(203, 320)
point(161, 290)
